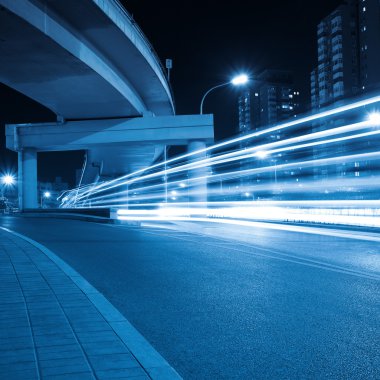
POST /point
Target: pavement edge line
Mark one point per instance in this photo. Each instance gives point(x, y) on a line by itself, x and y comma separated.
point(153, 363)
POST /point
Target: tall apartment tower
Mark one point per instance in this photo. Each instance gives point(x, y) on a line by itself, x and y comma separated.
point(271, 100)
point(369, 43)
point(348, 53)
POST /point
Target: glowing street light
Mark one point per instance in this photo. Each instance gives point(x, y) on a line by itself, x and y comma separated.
point(45, 195)
point(8, 179)
point(239, 80)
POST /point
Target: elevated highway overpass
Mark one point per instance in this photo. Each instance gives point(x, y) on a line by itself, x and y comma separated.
point(87, 61)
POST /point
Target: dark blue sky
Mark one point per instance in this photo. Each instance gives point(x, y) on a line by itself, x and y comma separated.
point(209, 42)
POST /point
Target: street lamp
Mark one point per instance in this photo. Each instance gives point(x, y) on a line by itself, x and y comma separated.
point(236, 81)
point(45, 195)
point(6, 180)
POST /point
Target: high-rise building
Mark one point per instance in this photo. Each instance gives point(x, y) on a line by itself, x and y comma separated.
point(369, 43)
point(348, 53)
point(272, 99)
point(348, 65)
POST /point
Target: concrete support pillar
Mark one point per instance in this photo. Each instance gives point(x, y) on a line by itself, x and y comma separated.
point(27, 179)
point(198, 189)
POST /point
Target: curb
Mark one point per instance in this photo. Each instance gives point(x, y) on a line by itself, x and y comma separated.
point(82, 217)
point(152, 362)
point(86, 218)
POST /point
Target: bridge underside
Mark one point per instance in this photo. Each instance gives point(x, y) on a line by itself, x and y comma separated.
point(72, 58)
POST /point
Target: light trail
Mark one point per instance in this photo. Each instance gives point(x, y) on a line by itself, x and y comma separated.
point(235, 156)
point(238, 155)
point(282, 227)
point(255, 171)
point(316, 187)
point(288, 170)
point(296, 122)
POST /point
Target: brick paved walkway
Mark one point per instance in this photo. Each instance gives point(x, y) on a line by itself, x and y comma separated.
point(54, 325)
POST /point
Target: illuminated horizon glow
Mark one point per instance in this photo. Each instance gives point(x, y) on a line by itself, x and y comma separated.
point(242, 154)
point(295, 122)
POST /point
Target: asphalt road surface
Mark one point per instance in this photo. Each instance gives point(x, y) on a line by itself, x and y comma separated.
point(284, 305)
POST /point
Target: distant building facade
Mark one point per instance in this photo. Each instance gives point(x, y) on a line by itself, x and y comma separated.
point(348, 53)
point(348, 66)
point(272, 99)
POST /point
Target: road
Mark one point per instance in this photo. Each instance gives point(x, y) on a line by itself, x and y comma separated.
point(283, 305)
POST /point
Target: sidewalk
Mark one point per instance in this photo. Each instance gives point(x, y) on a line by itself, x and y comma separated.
point(55, 325)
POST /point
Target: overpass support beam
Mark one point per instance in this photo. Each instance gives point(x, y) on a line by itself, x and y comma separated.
point(198, 189)
point(27, 179)
point(88, 134)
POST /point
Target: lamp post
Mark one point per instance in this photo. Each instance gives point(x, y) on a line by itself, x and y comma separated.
point(45, 195)
point(6, 180)
point(236, 81)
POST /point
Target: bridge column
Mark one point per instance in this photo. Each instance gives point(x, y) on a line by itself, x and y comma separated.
point(27, 179)
point(199, 187)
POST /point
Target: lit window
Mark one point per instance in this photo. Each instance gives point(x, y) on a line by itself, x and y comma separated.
point(291, 96)
point(256, 94)
point(357, 174)
point(364, 9)
point(364, 28)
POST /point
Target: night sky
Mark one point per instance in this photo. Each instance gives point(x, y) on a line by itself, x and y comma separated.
point(209, 43)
